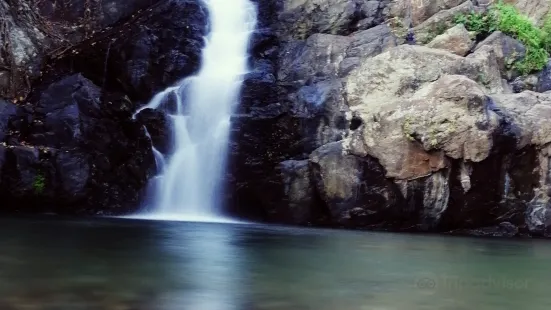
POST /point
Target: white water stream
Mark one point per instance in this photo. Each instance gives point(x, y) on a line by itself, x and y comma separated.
point(188, 186)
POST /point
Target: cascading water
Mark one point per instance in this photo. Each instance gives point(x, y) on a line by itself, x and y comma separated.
point(189, 180)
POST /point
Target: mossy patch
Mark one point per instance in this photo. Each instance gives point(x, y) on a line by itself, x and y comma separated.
point(39, 183)
point(436, 133)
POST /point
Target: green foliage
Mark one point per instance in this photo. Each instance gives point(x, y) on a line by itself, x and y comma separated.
point(507, 19)
point(477, 22)
point(39, 183)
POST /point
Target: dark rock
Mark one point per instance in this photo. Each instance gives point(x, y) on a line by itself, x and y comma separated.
point(159, 47)
point(21, 176)
point(320, 56)
point(508, 51)
point(259, 88)
point(66, 110)
point(340, 17)
point(504, 229)
point(522, 83)
point(296, 201)
point(354, 189)
point(89, 16)
point(7, 113)
point(158, 125)
point(89, 156)
point(538, 217)
point(544, 79)
point(371, 13)
point(73, 175)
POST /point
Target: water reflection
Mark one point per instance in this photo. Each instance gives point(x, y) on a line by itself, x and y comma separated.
point(147, 265)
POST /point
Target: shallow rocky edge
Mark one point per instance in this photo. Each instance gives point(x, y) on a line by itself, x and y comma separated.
point(354, 115)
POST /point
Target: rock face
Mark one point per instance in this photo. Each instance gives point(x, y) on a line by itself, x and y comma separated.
point(71, 145)
point(35, 30)
point(79, 153)
point(360, 131)
point(379, 114)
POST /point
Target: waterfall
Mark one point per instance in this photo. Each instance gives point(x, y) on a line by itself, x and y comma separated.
point(188, 185)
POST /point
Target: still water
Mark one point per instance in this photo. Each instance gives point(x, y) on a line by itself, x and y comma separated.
point(146, 265)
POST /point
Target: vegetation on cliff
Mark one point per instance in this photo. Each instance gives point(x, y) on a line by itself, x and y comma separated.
point(507, 19)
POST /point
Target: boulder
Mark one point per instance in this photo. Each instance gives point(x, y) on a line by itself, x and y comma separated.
point(538, 216)
point(440, 22)
point(80, 153)
point(525, 82)
point(507, 51)
point(414, 13)
point(402, 70)
point(317, 57)
point(456, 40)
point(324, 56)
point(158, 48)
point(7, 113)
point(372, 13)
point(528, 111)
point(544, 79)
point(296, 203)
point(158, 126)
point(354, 189)
point(297, 20)
point(448, 117)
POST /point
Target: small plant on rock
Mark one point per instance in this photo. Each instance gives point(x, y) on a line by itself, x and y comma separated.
point(507, 19)
point(481, 24)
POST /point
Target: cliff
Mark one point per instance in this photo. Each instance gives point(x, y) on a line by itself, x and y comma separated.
point(392, 115)
point(399, 115)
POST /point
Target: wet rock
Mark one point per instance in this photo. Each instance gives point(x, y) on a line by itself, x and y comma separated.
point(40, 30)
point(504, 229)
point(538, 217)
point(456, 40)
point(158, 127)
point(68, 107)
point(259, 88)
point(73, 174)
